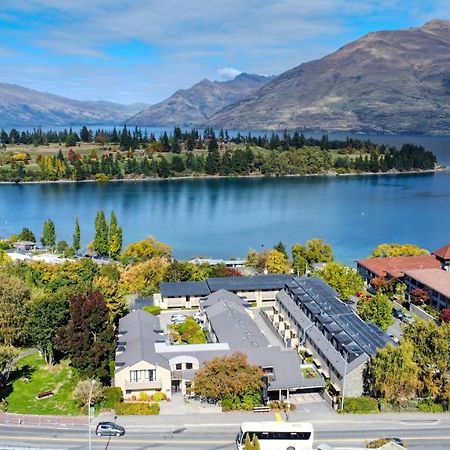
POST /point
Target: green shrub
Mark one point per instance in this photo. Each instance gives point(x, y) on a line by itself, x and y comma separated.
point(155, 310)
point(226, 404)
point(112, 395)
point(3, 405)
point(144, 397)
point(127, 409)
point(159, 396)
point(360, 405)
point(430, 405)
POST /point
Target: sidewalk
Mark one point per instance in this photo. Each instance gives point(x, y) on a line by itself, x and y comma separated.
point(166, 423)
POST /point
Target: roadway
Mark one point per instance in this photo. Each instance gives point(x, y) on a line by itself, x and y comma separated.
point(421, 434)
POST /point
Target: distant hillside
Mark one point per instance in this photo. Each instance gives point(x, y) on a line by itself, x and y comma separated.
point(20, 106)
point(196, 104)
point(388, 81)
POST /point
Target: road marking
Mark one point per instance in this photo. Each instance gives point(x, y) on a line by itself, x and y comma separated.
point(278, 417)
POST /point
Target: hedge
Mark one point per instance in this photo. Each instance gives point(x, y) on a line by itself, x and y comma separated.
point(430, 406)
point(112, 396)
point(152, 309)
point(137, 409)
point(360, 405)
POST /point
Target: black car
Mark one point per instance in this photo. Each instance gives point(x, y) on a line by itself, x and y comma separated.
point(398, 313)
point(109, 429)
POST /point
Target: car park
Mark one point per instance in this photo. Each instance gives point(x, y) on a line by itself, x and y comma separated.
point(109, 429)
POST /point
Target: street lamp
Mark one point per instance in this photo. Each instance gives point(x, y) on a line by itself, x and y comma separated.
point(89, 412)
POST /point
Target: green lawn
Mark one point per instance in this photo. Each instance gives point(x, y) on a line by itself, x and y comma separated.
point(32, 377)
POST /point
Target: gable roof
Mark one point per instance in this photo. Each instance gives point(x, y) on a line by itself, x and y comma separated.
point(443, 252)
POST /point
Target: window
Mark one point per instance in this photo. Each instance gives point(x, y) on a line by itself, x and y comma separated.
point(188, 366)
point(142, 376)
point(178, 366)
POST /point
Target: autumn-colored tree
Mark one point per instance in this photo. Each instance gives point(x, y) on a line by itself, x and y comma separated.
point(445, 315)
point(146, 249)
point(14, 298)
point(251, 444)
point(143, 278)
point(85, 389)
point(419, 296)
point(317, 251)
point(115, 236)
point(227, 376)
point(110, 291)
point(277, 262)
point(88, 339)
point(345, 280)
point(376, 309)
point(431, 344)
point(394, 373)
point(389, 250)
point(382, 284)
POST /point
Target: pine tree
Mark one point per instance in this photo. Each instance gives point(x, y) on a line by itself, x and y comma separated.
point(76, 236)
point(213, 146)
point(48, 238)
point(115, 236)
point(101, 238)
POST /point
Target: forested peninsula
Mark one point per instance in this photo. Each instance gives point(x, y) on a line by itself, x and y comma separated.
point(133, 154)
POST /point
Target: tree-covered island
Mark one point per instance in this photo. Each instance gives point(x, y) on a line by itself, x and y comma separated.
point(133, 154)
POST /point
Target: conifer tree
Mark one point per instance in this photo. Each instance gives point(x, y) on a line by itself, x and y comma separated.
point(101, 236)
point(115, 236)
point(48, 238)
point(76, 236)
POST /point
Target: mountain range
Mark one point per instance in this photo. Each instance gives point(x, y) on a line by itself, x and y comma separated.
point(195, 105)
point(387, 81)
point(22, 107)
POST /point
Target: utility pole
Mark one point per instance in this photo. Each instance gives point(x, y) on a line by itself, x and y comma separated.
point(89, 413)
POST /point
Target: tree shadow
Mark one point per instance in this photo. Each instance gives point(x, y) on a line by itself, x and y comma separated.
point(24, 372)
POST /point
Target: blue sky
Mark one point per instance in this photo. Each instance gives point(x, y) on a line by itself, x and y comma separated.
point(144, 50)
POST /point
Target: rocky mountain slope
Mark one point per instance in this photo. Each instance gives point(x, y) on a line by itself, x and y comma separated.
point(388, 81)
point(22, 107)
point(196, 104)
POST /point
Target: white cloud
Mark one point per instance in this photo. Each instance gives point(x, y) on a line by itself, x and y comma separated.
point(189, 40)
point(228, 73)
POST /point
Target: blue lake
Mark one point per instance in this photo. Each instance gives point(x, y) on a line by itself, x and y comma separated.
point(226, 217)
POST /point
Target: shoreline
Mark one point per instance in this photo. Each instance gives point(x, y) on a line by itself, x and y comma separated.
point(207, 177)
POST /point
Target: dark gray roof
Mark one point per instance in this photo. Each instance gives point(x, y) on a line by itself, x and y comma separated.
point(183, 288)
point(137, 336)
point(254, 283)
point(323, 306)
point(222, 295)
point(232, 324)
point(296, 313)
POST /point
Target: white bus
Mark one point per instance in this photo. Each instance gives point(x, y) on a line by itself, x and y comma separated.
point(277, 435)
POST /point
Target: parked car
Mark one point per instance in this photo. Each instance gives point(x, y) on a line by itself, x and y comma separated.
point(407, 318)
point(398, 313)
point(109, 429)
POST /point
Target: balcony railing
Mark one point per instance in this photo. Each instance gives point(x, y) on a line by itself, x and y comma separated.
point(143, 385)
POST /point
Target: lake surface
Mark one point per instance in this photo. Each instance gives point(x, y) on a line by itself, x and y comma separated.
point(226, 217)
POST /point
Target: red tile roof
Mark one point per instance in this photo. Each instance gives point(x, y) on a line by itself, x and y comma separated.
point(436, 279)
point(397, 265)
point(443, 252)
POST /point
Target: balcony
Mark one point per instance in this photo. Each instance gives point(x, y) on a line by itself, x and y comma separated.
point(143, 385)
